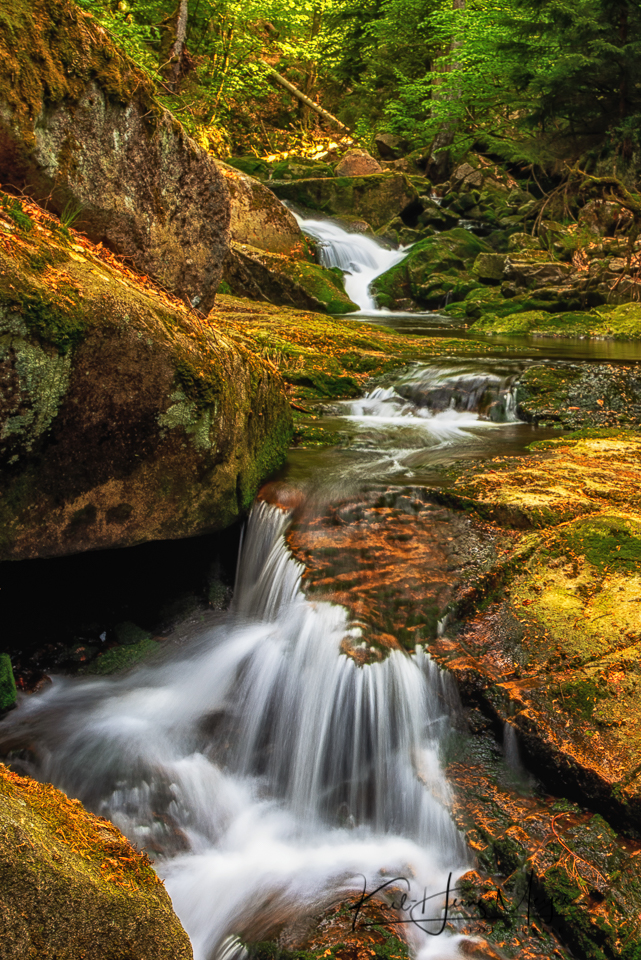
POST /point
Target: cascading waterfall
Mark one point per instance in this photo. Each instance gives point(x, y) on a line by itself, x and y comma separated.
point(360, 258)
point(267, 771)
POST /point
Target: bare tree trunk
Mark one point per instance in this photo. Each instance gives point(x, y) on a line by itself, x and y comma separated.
point(178, 48)
point(440, 160)
point(310, 76)
point(295, 92)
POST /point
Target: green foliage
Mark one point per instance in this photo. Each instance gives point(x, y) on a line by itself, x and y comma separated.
point(7, 683)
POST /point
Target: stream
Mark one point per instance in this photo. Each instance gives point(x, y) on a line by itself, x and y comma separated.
point(265, 772)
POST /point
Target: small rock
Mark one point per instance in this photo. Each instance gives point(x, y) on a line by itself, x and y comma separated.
point(357, 163)
point(390, 147)
point(489, 267)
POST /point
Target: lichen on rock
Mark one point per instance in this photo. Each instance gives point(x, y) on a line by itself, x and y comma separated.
point(81, 129)
point(71, 885)
point(116, 394)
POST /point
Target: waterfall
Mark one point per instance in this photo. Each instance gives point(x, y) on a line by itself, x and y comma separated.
point(360, 258)
point(265, 771)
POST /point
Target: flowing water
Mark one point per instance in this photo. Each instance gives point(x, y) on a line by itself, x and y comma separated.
point(266, 772)
point(360, 258)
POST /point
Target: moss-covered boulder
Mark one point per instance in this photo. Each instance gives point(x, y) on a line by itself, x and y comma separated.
point(578, 395)
point(72, 886)
point(298, 168)
point(560, 615)
point(7, 684)
point(125, 416)
point(377, 198)
point(526, 315)
point(79, 127)
point(259, 218)
point(285, 281)
point(436, 270)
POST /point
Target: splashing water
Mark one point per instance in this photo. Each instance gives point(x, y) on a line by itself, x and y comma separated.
point(266, 771)
point(360, 258)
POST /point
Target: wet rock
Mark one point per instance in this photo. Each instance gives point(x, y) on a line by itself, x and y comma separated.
point(436, 270)
point(258, 218)
point(357, 163)
point(489, 267)
point(71, 884)
point(284, 281)
point(603, 218)
point(392, 559)
point(601, 395)
point(121, 658)
point(342, 931)
point(390, 147)
point(91, 139)
point(523, 274)
point(377, 198)
point(125, 417)
point(556, 652)
point(546, 866)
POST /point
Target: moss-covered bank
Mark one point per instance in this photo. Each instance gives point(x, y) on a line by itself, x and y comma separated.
point(72, 886)
point(554, 643)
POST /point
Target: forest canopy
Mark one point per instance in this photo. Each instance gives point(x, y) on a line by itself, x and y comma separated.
point(549, 82)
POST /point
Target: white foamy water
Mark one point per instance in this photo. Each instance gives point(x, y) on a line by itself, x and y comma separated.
point(266, 771)
point(360, 258)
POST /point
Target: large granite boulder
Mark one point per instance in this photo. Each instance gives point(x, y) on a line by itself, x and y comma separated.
point(124, 415)
point(377, 198)
point(72, 886)
point(80, 129)
point(284, 281)
point(258, 217)
point(357, 163)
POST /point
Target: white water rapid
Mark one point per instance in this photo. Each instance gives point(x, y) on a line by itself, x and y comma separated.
point(265, 771)
point(360, 258)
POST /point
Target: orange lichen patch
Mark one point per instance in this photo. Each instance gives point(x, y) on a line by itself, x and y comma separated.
point(557, 868)
point(395, 567)
point(557, 652)
point(300, 342)
point(574, 477)
point(351, 930)
point(94, 839)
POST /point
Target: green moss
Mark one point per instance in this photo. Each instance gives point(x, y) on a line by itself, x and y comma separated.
point(252, 166)
point(13, 209)
point(7, 683)
point(73, 886)
point(62, 328)
point(611, 543)
point(128, 633)
point(435, 270)
point(49, 51)
point(324, 384)
point(121, 658)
